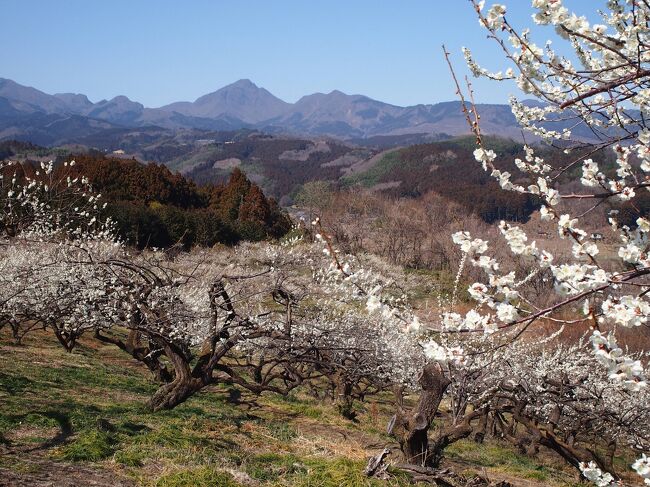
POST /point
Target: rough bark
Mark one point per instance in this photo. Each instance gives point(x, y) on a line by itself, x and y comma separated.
point(344, 398)
point(446, 436)
point(67, 340)
point(134, 347)
point(411, 428)
point(181, 387)
point(481, 430)
point(571, 453)
point(170, 395)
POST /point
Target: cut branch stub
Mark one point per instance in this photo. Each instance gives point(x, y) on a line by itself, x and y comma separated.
point(391, 424)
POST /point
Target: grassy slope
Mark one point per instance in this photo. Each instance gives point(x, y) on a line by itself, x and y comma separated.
point(80, 417)
point(374, 174)
point(382, 169)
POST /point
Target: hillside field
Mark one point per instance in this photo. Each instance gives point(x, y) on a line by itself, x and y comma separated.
point(78, 418)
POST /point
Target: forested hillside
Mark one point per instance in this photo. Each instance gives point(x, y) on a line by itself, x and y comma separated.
point(281, 165)
point(448, 169)
point(153, 207)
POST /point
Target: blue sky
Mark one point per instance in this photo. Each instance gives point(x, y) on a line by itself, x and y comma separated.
point(156, 52)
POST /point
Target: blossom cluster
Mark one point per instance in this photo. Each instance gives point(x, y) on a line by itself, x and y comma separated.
point(598, 83)
point(594, 474)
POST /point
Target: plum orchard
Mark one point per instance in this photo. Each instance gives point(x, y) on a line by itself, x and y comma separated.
point(599, 86)
point(271, 317)
point(262, 316)
point(599, 82)
point(530, 394)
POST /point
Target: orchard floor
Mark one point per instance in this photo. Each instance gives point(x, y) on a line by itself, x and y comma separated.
point(78, 419)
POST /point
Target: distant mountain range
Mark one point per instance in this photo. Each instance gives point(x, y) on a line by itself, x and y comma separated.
point(31, 115)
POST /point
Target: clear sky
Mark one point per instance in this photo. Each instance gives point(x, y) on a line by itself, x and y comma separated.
point(161, 51)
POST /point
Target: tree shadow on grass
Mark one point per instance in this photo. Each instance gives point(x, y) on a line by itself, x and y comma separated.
point(62, 419)
point(12, 384)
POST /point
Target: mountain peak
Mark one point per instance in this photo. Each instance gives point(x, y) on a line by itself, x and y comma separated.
point(79, 96)
point(75, 102)
point(126, 102)
point(29, 98)
point(243, 100)
point(242, 83)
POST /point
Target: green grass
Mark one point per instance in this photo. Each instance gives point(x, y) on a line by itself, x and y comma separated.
point(12, 384)
point(339, 473)
point(281, 431)
point(90, 406)
point(308, 410)
point(272, 466)
point(289, 470)
point(90, 446)
point(501, 457)
point(130, 456)
point(197, 477)
point(376, 173)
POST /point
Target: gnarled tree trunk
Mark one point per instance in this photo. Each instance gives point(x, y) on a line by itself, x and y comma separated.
point(411, 428)
point(170, 395)
point(343, 397)
point(451, 434)
point(571, 453)
point(134, 347)
point(181, 387)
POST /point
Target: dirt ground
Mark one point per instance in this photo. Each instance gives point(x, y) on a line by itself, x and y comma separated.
point(36, 471)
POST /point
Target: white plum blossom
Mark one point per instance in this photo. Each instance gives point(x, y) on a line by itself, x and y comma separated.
point(545, 259)
point(595, 83)
point(643, 224)
point(486, 263)
point(585, 249)
point(494, 17)
point(596, 80)
point(591, 175)
point(478, 291)
point(593, 473)
point(469, 245)
point(484, 156)
point(507, 312)
point(436, 352)
point(621, 368)
point(471, 321)
point(516, 238)
point(627, 311)
point(545, 214)
point(642, 467)
point(630, 253)
point(452, 321)
point(414, 326)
